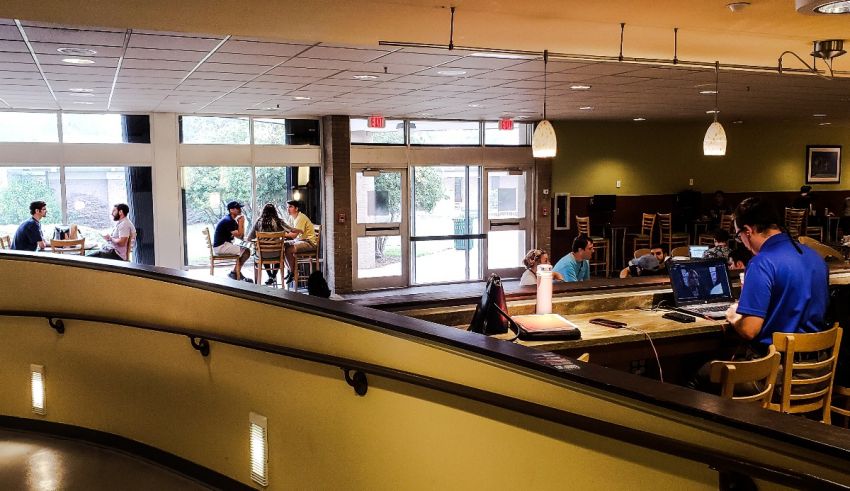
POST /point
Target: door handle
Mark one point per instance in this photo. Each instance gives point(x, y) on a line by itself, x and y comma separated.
point(504, 224)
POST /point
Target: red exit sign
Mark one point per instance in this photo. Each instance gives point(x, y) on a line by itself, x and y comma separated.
point(506, 124)
point(376, 122)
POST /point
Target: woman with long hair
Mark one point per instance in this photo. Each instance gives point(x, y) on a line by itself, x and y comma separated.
point(269, 221)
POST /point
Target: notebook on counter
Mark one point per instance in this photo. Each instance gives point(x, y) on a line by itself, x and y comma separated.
point(541, 327)
point(701, 287)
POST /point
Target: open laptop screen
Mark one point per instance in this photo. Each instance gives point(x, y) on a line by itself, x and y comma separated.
point(697, 250)
point(700, 281)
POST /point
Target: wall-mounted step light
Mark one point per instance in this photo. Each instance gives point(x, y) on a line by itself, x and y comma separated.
point(37, 385)
point(259, 449)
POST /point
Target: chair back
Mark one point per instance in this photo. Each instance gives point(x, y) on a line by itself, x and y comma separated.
point(822, 249)
point(727, 223)
point(624, 273)
point(5, 242)
point(665, 226)
point(761, 372)
point(270, 245)
point(583, 225)
point(208, 239)
point(647, 223)
point(131, 242)
point(70, 246)
point(794, 219)
point(808, 365)
point(681, 252)
point(641, 252)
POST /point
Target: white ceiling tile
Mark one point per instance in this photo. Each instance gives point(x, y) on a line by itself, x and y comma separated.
point(231, 68)
point(284, 50)
point(165, 54)
point(345, 54)
point(427, 60)
point(173, 42)
point(12, 47)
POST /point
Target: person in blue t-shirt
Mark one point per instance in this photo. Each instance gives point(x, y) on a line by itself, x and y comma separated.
point(230, 227)
point(575, 266)
point(28, 237)
point(786, 288)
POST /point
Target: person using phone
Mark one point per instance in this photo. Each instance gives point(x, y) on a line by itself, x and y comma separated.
point(232, 226)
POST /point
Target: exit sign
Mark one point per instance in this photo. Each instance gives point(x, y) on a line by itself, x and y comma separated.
point(377, 122)
point(506, 124)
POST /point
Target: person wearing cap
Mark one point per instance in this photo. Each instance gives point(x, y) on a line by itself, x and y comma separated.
point(302, 237)
point(230, 227)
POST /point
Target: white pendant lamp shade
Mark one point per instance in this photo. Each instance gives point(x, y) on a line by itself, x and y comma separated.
point(715, 140)
point(544, 145)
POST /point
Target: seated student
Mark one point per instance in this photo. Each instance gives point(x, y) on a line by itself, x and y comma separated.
point(232, 226)
point(575, 266)
point(739, 258)
point(532, 259)
point(654, 263)
point(721, 245)
point(29, 237)
point(269, 221)
point(302, 235)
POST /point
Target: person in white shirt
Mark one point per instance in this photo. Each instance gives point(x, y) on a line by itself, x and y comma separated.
point(302, 237)
point(534, 258)
point(120, 240)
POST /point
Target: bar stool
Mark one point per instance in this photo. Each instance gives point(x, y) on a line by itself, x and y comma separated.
point(725, 224)
point(672, 239)
point(644, 238)
point(601, 246)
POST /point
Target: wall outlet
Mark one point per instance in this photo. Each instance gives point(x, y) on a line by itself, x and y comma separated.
point(690, 182)
point(619, 183)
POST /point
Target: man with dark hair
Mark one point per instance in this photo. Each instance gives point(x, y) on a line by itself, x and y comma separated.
point(739, 258)
point(721, 245)
point(28, 237)
point(786, 288)
point(303, 236)
point(232, 226)
point(654, 263)
point(575, 266)
point(118, 243)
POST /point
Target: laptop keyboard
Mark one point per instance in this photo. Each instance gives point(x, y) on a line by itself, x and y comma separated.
point(709, 308)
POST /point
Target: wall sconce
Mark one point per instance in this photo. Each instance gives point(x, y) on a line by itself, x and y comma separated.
point(37, 387)
point(259, 449)
point(296, 194)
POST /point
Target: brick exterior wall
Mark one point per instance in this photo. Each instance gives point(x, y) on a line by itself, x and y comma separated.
point(336, 159)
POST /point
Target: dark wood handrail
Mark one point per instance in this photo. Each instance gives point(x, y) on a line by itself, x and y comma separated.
point(720, 461)
point(804, 433)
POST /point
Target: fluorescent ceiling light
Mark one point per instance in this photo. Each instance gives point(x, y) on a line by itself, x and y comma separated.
point(824, 124)
point(708, 92)
point(712, 111)
point(76, 51)
point(365, 77)
point(451, 73)
point(580, 87)
point(78, 61)
point(301, 98)
point(586, 108)
point(83, 102)
point(639, 119)
point(474, 105)
point(81, 94)
point(503, 56)
point(819, 115)
point(77, 89)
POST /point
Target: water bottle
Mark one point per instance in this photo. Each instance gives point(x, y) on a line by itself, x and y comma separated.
point(544, 289)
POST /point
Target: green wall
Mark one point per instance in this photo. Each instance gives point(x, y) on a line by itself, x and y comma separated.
point(659, 158)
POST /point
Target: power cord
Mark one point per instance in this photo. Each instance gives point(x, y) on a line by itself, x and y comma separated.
point(652, 345)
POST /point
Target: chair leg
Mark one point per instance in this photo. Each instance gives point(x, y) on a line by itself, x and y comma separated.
point(212, 267)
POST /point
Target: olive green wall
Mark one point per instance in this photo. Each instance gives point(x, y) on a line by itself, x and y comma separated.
point(659, 158)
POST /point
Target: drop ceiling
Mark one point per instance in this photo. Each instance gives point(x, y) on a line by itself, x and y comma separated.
point(138, 70)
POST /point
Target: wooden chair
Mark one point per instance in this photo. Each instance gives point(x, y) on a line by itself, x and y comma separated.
point(70, 246)
point(668, 236)
point(812, 231)
point(794, 221)
point(823, 250)
point(5, 242)
point(224, 259)
point(808, 364)
point(624, 273)
point(601, 246)
point(681, 252)
point(726, 223)
point(842, 393)
point(585, 357)
point(762, 371)
point(641, 252)
point(270, 244)
point(644, 238)
point(130, 243)
point(309, 260)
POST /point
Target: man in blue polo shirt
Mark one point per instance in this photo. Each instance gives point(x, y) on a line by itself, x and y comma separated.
point(786, 287)
point(28, 237)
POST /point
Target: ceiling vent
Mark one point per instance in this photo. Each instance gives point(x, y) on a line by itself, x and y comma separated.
point(823, 7)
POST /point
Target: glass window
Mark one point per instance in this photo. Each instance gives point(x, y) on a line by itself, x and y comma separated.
point(518, 136)
point(273, 186)
point(105, 128)
point(506, 195)
point(20, 186)
point(379, 257)
point(440, 261)
point(28, 127)
point(91, 192)
point(269, 131)
point(505, 248)
point(206, 192)
point(444, 133)
point(378, 197)
point(214, 130)
point(391, 134)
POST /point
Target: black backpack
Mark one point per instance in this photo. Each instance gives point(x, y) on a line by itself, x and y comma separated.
point(317, 286)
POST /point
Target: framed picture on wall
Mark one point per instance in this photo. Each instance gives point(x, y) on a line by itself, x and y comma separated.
point(823, 163)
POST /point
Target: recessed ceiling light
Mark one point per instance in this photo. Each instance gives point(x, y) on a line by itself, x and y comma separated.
point(819, 115)
point(580, 87)
point(708, 92)
point(83, 102)
point(81, 94)
point(504, 56)
point(586, 108)
point(474, 105)
point(77, 89)
point(78, 61)
point(737, 6)
point(365, 77)
point(823, 7)
point(639, 119)
point(712, 111)
point(834, 8)
point(451, 73)
point(77, 51)
point(301, 98)
point(824, 124)
point(520, 117)
point(738, 121)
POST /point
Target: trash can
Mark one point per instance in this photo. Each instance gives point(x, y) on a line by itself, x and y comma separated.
point(460, 229)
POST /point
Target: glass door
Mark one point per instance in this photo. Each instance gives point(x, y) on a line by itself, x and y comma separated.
point(381, 236)
point(507, 220)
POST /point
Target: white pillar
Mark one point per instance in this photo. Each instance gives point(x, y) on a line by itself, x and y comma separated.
point(167, 211)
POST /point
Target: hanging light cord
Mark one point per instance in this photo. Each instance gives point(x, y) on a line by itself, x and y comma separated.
point(716, 87)
point(545, 83)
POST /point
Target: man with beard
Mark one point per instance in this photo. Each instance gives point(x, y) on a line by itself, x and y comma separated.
point(120, 240)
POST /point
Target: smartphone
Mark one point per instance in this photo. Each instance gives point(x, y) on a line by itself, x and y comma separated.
point(608, 323)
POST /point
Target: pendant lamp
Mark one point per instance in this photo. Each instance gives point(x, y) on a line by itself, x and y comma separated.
point(714, 142)
point(543, 142)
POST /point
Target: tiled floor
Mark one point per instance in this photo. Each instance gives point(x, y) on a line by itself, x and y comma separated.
point(35, 462)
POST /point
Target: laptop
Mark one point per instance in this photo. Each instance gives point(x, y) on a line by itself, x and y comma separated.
point(701, 287)
point(697, 250)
